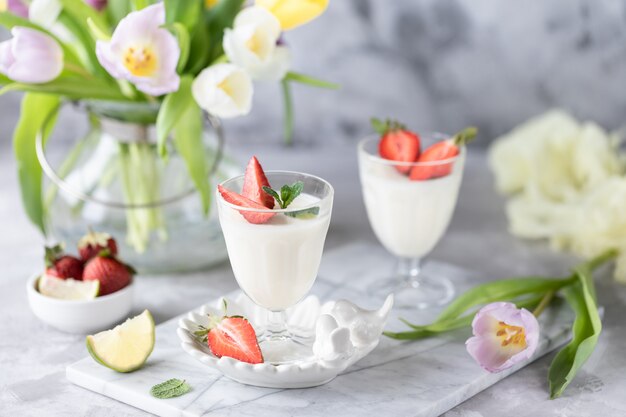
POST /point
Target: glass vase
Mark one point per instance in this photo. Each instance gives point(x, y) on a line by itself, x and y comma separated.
point(113, 180)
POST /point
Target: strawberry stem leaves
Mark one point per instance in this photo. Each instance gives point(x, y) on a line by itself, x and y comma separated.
point(386, 126)
point(465, 136)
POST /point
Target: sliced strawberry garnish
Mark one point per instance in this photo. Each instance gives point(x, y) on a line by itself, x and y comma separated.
point(397, 143)
point(234, 337)
point(253, 182)
point(231, 336)
point(441, 151)
point(241, 201)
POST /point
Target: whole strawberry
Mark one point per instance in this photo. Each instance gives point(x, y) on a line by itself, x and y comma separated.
point(62, 266)
point(112, 274)
point(93, 243)
point(397, 143)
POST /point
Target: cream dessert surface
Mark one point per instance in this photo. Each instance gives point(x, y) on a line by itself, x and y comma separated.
point(276, 263)
point(408, 217)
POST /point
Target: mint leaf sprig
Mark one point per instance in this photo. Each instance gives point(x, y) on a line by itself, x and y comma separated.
point(170, 389)
point(288, 193)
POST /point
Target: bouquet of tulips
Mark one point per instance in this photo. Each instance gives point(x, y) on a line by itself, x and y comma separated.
point(184, 57)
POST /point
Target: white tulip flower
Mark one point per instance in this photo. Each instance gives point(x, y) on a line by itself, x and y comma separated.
point(224, 90)
point(253, 44)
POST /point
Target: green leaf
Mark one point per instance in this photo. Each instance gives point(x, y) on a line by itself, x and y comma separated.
point(140, 4)
point(38, 112)
point(586, 331)
point(420, 332)
point(97, 32)
point(273, 193)
point(116, 10)
point(71, 87)
point(308, 80)
point(185, 12)
point(188, 143)
point(285, 192)
point(308, 213)
point(172, 109)
point(170, 389)
point(220, 17)
point(288, 104)
point(74, 17)
point(294, 191)
point(182, 36)
point(82, 12)
point(500, 290)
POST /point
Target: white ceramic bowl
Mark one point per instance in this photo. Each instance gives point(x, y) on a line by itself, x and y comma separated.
point(80, 316)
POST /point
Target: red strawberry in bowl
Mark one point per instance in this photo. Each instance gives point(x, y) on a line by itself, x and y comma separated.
point(233, 337)
point(62, 266)
point(112, 273)
point(241, 201)
point(253, 183)
point(397, 143)
point(441, 151)
point(93, 243)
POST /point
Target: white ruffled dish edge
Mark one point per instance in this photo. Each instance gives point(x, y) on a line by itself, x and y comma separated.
point(344, 334)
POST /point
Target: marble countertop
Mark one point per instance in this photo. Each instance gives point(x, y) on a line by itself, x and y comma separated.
point(33, 356)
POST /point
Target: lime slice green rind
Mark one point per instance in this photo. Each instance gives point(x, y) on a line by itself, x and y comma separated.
point(134, 346)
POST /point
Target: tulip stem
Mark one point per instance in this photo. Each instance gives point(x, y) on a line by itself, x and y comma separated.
point(288, 128)
point(545, 301)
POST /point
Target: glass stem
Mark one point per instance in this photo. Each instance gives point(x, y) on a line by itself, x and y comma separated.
point(408, 270)
point(276, 325)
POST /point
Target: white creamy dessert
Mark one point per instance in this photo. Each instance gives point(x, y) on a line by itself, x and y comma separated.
point(408, 217)
point(276, 263)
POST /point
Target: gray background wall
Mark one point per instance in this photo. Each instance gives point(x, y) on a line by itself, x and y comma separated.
point(440, 64)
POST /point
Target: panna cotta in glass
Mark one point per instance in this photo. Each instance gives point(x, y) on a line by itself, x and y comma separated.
point(409, 206)
point(275, 253)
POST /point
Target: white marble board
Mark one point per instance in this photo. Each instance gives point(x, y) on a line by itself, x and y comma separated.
point(420, 378)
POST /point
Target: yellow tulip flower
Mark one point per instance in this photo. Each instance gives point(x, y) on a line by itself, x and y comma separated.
point(293, 13)
point(3, 5)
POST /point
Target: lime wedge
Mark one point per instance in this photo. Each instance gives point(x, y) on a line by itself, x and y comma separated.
point(67, 289)
point(126, 347)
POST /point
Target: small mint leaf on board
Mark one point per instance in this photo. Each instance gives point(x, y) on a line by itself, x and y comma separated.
point(170, 389)
point(308, 213)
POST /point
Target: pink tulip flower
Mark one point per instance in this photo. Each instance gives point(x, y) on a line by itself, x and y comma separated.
point(142, 52)
point(18, 8)
point(503, 336)
point(97, 4)
point(30, 56)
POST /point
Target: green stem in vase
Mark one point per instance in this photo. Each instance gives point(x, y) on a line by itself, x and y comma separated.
point(141, 185)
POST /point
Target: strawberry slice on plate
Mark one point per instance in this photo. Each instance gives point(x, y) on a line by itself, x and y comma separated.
point(253, 182)
point(397, 143)
point(231, 336)
point(241, 201)
point(441, 151)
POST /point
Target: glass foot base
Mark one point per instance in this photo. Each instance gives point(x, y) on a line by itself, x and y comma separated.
point(417, 293)
point(285, 350)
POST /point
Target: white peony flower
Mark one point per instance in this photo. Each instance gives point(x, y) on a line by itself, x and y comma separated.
point(568, 184)
point(252, 44)
point(224, 90)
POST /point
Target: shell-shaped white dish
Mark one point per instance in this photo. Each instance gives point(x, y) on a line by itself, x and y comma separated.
point(344, 333)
